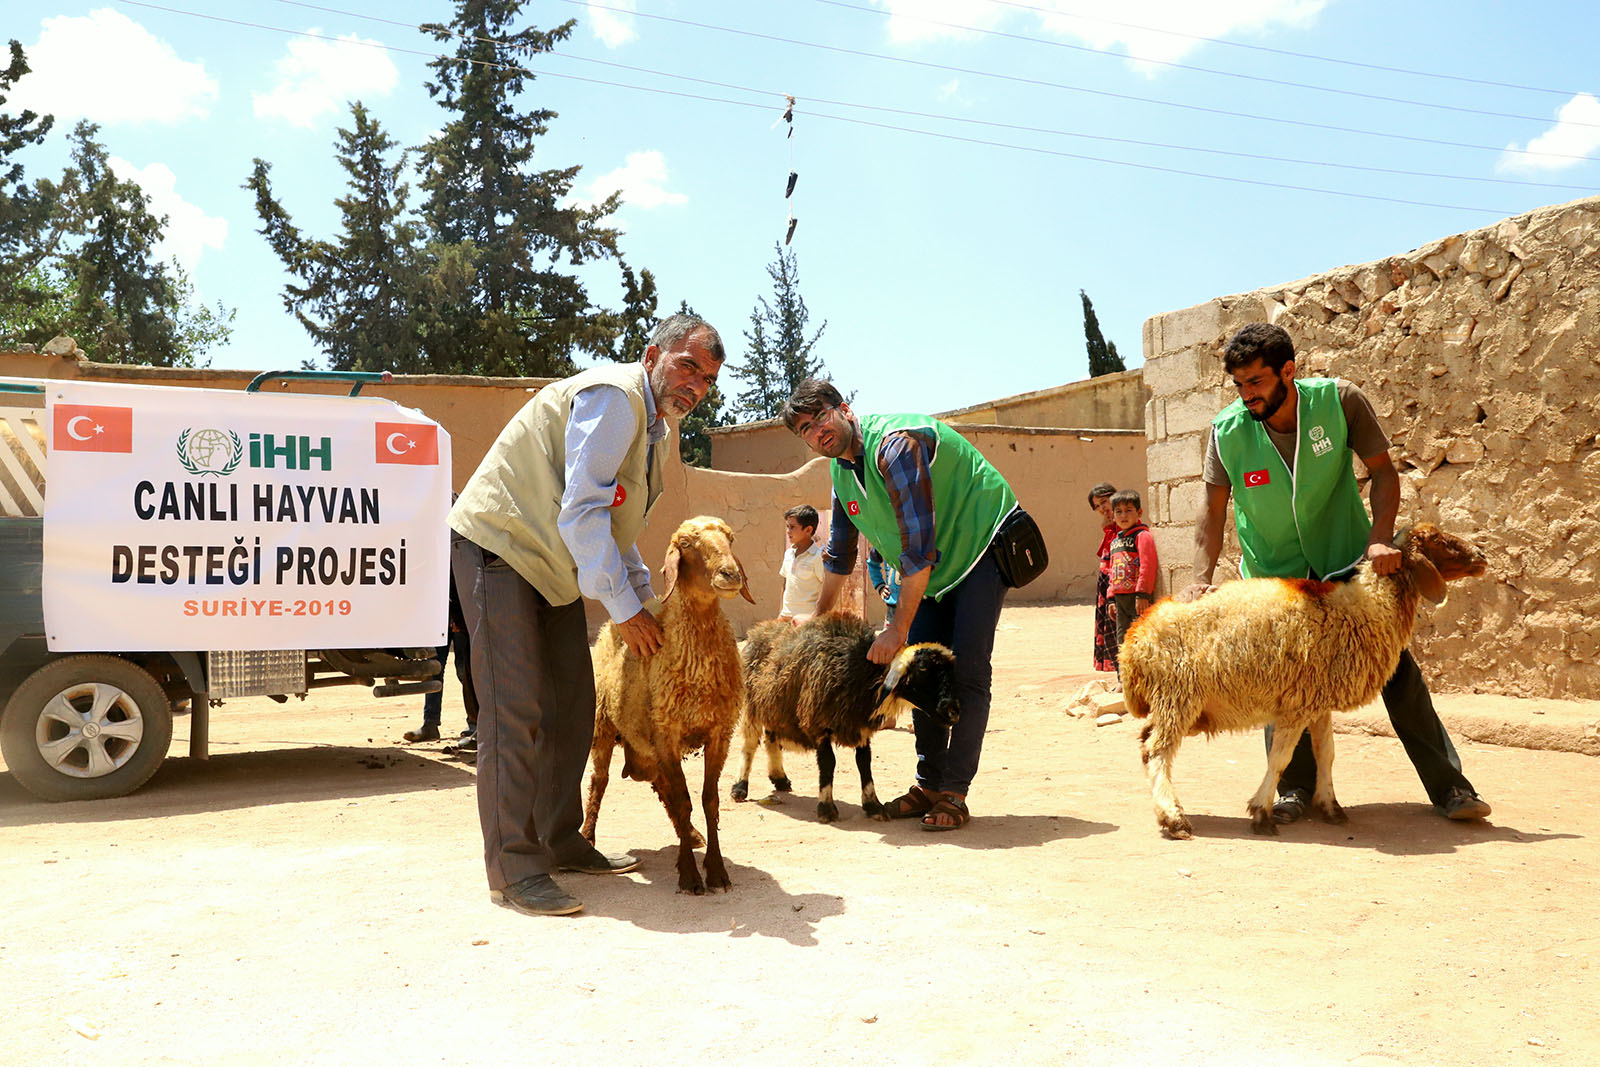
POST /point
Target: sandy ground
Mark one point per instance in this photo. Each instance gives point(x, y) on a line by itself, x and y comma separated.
point(314, 894)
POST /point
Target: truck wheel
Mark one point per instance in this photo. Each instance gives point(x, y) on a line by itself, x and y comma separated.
point(86, 727)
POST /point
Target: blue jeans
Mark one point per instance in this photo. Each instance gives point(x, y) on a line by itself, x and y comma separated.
point(964, 621)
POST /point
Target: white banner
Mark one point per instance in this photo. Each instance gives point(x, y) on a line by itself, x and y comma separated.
point(202, 519)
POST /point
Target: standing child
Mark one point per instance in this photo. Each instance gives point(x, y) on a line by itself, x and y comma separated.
point(1133, 561)
point(886, 580)
point(1105, 609)
point(802, 564)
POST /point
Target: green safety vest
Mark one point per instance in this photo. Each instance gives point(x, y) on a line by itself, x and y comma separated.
point(970, 498)
point(1293, 522)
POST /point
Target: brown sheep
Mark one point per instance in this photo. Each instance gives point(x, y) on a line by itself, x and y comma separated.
point(683, 698)
point(1278, 650)
point(811, 686)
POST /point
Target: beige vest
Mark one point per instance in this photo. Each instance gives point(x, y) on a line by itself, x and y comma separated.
point(510, 505)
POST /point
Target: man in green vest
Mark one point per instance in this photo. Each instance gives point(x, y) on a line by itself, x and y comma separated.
point(1282, 452)
point(552, 515)
point(892, 475)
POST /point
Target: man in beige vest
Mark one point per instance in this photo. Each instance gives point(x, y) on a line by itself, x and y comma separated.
point(552, 515)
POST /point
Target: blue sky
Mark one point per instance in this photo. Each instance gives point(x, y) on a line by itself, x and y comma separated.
point(947, 268)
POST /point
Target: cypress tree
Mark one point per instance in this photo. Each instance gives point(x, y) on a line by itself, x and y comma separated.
point(1103, 358)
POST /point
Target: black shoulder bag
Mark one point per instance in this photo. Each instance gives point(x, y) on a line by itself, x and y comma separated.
point(1019, 549)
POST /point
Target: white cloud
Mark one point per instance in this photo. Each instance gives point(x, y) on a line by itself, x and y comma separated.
point(950, 90)
point(107, 68)
point(642, 179)
point(612, 27)
point(1104, 24)
point(1575, 134)
point(317, 78)
point(189, 231)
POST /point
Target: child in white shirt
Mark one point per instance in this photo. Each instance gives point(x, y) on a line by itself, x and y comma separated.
point(802, 564)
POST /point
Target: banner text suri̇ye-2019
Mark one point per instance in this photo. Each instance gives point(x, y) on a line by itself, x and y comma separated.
point(211, 520)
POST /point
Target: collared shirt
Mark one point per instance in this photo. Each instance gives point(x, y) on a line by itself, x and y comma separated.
point(599, 434)
point(902, 459)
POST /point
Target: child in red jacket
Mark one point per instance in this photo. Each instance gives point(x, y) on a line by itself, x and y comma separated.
point(1133, 561)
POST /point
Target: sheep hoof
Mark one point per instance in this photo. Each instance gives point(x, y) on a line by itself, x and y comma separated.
point(717, 878)
point(696, 839)
point(1261, 823)
point(873, 809)
point(1334, 813)
point(740, 790)
point(1175, 828)
point(827, 811)
point(781, 785)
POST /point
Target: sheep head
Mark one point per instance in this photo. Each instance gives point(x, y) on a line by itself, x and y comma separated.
point(700, 555)
point(1434, 557)
point(924, 677)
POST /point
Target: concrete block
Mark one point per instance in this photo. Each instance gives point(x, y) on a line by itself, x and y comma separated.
point(1198, 325)
point(1191, 413)
point(1184, 500)
point(1177, 460)
point(1171, 373)
point(1174, 545)
point(1152, 338)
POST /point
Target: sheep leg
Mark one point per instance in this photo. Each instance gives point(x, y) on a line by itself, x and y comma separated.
point(1284, 738)
point(1322, 747)
point(870, 805)
point(749, 738)
point(780, 781)
point(716, 756)
point(605, 740)
point(673, 790)
point(1158, 748)
point(827, 810)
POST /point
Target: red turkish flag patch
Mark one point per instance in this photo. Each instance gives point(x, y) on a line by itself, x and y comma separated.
point(92, 428)
point(853, 508)
point(408, 442)
point(618, 497)
point(1260, 477)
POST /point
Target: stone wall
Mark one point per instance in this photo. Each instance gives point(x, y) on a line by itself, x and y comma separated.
point(1481, 355)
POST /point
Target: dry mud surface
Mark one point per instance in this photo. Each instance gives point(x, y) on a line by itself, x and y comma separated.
point(314, 894)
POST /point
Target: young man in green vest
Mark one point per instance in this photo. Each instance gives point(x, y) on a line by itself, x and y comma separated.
point(892, 474)
point(1282, 451)
point(552, 515)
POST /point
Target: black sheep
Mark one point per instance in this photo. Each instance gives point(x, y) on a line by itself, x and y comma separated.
point(811, 686)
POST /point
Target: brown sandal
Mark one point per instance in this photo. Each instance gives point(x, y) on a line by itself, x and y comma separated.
point(915, 802)
point(950, 806)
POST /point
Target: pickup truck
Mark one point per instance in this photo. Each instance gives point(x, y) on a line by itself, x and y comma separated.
point(85, 725)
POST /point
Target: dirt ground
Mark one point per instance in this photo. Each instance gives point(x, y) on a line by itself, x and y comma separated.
point(314, 893)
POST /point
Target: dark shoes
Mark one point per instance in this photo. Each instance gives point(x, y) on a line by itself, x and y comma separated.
point(536, 895)
point(428, 732)
point(1290, 806)
point(597, 862)
point(1463, 805)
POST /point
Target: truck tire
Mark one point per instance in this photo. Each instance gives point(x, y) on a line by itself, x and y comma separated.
point(86, 727)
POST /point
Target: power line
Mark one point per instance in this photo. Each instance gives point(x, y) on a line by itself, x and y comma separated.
point(1043, 83)
point(1031, 39)
point(1283, 51)
point(836, 118)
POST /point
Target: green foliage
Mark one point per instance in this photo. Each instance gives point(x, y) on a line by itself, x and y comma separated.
point(78, 256)
point(778, 352)
point(1103, 358)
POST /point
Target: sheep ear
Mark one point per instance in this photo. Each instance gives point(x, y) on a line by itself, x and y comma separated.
point(744, 581)
point(1429, 582)
point(669, 570)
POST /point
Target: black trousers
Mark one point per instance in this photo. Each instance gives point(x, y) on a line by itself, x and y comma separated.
point(1416, 724)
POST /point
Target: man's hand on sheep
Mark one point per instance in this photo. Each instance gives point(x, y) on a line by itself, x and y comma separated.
point(1195, 592)
point(1385, 559)
point(642, 634)
point(887, 646)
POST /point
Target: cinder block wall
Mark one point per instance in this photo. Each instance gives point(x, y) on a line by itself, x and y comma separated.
point(1481, 354)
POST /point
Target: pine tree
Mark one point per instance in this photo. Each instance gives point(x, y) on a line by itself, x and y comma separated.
point(361, 297)
point(521, 314)
point(1103, 358)
point(26, 234)
point(778, 353)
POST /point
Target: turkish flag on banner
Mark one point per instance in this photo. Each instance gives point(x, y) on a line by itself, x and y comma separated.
point(408, 442)
point(1260, 477)
point(92, 428)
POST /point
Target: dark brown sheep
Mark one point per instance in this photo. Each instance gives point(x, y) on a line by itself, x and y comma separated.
point(811, 687)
